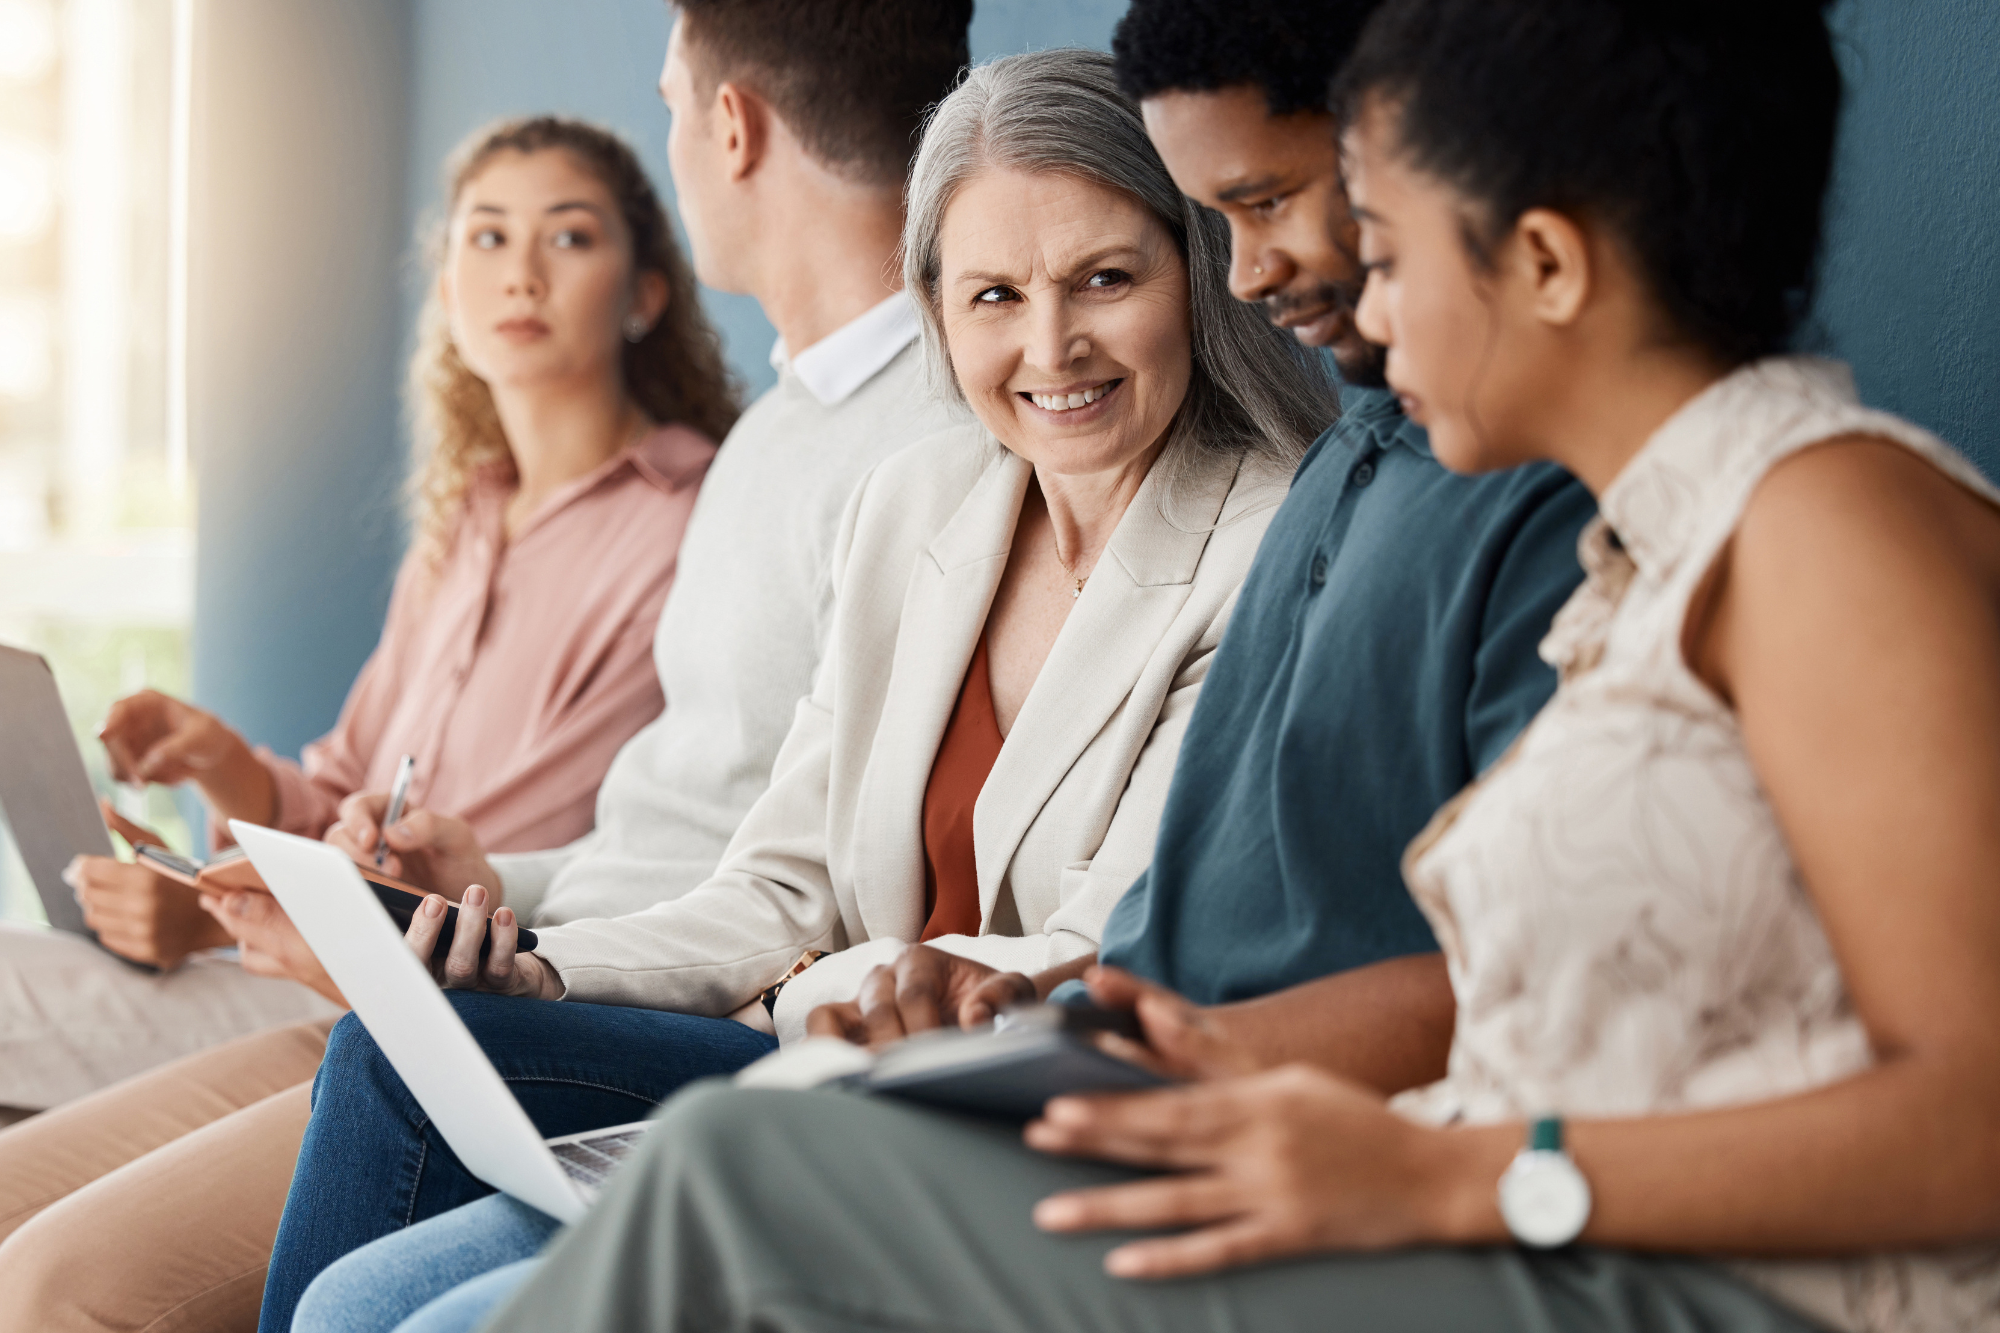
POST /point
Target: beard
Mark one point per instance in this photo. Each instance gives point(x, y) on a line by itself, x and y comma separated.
point(1361, 363)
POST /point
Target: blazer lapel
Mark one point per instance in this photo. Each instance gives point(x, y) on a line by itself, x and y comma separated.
point(1139, 586)
point(944, 612)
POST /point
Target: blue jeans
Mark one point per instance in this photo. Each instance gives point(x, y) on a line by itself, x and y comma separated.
point(437, 1275)
point(372, 1163)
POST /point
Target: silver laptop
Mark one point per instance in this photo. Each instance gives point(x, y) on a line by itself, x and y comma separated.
point(422, 1035)
point(44, 790)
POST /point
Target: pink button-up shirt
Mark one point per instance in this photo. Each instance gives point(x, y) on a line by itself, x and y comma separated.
point(514, 671)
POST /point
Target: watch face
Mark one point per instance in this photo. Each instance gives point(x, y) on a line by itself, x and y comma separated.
point(1544, 1199)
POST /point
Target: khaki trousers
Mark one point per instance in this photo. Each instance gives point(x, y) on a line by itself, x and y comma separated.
point(152, 1205)
point(74, 1019)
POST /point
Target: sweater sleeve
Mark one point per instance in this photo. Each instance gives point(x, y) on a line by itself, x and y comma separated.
point(772, 896)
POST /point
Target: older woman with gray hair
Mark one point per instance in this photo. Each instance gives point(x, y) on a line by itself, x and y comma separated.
point(1024, 610)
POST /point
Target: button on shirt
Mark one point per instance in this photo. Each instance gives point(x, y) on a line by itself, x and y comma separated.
point(1383, 652)
point(515, 669)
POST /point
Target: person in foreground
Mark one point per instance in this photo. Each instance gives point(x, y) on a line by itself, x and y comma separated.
point(1026, 609)
point(566, 386)
point(1290, 803)
point(1763, 1092)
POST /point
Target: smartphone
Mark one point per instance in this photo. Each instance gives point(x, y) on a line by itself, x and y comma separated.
point(402, 909)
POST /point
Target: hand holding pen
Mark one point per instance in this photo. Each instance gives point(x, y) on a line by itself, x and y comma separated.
point(399, 794)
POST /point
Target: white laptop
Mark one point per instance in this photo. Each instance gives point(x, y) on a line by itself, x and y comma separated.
point(422, 1035)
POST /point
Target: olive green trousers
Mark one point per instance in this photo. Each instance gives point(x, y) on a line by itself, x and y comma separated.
point(807, 1212)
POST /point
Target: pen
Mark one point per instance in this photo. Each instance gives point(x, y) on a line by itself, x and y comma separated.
point(399, 792)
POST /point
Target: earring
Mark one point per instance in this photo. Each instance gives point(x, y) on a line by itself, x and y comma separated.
point(636, 328)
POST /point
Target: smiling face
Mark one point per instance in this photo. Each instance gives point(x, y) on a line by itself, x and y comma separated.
point(1277, 181)
point(1467, 355)
point(538, 276)
point(1065, 309)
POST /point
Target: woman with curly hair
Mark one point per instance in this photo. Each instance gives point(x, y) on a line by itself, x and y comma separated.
point(567, 392)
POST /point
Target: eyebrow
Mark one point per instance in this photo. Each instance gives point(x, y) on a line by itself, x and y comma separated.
point(1245, 189)
point(1090, 260)
point(1361, 213)
point(565, 206)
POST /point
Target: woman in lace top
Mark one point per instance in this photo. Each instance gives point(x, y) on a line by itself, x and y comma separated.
point(1727, 908)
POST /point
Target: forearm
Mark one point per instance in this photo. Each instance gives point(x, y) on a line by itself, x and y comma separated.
point(1890, 1159)
point(1048, 979)
point(1387, 1025)
point(242, 786)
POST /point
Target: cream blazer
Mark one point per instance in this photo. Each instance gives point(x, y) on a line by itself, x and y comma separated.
point(831, 856)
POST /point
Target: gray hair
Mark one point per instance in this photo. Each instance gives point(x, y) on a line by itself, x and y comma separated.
point(1254, 390)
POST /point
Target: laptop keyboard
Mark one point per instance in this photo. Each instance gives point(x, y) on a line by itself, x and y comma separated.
point(589, 1161)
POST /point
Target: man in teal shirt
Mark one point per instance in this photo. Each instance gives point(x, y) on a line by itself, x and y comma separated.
point(1383, 650)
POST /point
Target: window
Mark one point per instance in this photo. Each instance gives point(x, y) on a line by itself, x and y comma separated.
point(96, 496)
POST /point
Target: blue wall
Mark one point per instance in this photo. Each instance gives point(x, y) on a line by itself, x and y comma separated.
point(1911, 291)
point(1911, 287)
point(474, 60)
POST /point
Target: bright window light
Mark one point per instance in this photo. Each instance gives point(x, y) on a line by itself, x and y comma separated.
point(27, 39)
point(27, 190)
point(25, 367)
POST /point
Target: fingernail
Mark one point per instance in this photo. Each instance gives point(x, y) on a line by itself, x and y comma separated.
point(433, 906)
point(1057, 1214)
point(1124, 1263)
point(504, 917)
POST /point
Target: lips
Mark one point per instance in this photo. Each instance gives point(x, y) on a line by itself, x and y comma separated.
point(1071, 400)
point(521, 328)
point(1321, 329)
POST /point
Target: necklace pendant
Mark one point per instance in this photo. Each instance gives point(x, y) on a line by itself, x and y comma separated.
point(1079, 589)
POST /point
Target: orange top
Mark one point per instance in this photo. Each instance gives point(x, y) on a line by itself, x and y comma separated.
point(971, 743)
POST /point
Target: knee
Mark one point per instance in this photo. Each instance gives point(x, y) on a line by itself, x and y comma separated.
point(43, 1265)
point(714, 1125)
point(335, 1300)
point(354, 1068)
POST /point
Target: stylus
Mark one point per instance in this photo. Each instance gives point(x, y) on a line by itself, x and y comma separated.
point(399, 792)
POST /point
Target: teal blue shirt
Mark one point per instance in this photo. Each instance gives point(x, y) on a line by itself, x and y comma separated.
point(1382, 653)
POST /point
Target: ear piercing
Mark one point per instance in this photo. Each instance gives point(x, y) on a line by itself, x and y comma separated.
point(636, 328)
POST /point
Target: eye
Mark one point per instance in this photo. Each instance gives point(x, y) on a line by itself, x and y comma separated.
point(572, 239)
point(1268, 208)
point(487, 238)
point(996, 296)
point(1106, 278)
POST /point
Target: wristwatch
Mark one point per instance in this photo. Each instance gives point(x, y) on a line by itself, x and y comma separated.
point(1543, 1197)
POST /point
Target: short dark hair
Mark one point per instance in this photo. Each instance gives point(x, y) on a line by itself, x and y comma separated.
point(1700, 132)
point(851, 78)
point(1288, 48)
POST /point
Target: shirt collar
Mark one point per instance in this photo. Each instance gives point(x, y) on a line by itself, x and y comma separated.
point(1380, 412)
point(849, 357)
point(667, 457)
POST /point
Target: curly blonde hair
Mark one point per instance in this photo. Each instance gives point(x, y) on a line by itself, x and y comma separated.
point(676, 373)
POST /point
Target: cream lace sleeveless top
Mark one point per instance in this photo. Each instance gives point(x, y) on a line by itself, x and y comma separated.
point(1625, 928)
